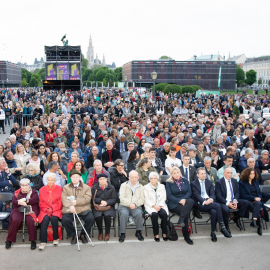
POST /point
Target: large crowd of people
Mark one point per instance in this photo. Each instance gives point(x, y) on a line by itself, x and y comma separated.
point(133, 155)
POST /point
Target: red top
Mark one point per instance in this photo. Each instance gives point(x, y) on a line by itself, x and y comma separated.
point(55, 205)
point(161, 139)
point(69, 166)
point(139, 135)
point(50, 137)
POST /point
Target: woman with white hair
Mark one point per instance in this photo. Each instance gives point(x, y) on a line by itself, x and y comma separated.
point(146, 153)
point(33, 174)
point(155, 204)
point(27, 198)
point(217, 129)
point(50, 209)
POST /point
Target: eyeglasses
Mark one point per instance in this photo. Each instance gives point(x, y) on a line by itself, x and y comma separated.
point(122, 165)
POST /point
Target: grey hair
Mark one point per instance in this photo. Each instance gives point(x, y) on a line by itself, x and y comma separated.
point(25, 181)
point(97, 160)
point(92, 141)
point(109, 141)
point(52, 164)
point(200, 169)
point(248, 151)
point(51, 175)
point(252, 158)
point(264, 151)
point(219, 137)
point(153, 174)
point(33, 166)
point(205, 137)
point(207, 158)
point(166, 143)
point(224, 133)
point(57, 131)
point(188, 137)
point(95, 147)
point(76, 153)
point(12, 136)
point(185, 145)
point(180, 134)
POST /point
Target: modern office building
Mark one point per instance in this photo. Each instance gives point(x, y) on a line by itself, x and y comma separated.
point(199, 72)
point(10, 74)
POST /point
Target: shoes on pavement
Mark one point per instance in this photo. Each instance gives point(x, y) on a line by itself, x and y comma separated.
point(42, 246)
point(122, 237)
point(107, 237)
point(33, 245)
point(157, 239)
point(74, 240)
point(213, 236)
point(259, 231)
point(55, 242)
point(84, 239)
point(100, 237)
point(254, 223)
point(139, 235)
point(8, 244)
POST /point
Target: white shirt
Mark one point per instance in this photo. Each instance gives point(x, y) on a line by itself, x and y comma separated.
point(169, 162)
point(184, 168)
point(229, 194)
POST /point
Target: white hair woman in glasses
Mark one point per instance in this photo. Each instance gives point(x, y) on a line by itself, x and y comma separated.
point(155, 204)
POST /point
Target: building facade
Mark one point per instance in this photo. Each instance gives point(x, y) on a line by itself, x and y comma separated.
point(239, 59)
point(10, 74)
point(262, 66)
point(202, 73)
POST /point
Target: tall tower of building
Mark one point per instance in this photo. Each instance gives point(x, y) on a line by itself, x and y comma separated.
point(103, 61)
point(96, 60)
point(90, 54)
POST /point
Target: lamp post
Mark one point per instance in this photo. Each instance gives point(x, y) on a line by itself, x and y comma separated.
point(140, 77)
point(125, 78)
point(131, 83)
point(154, 77)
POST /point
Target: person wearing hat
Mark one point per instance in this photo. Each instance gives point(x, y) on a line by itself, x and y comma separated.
point(104, 195)
point(194, 158)
point(81, 205)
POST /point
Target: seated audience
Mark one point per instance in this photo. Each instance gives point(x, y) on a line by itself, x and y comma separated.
point(92, 157)
point(110, 155)
point(133, 160)
point(33, 174)
point(79, 166)
point(50, 206)
point(55, 168)
point(155, 205)
point(94, 172)
point(144, 168)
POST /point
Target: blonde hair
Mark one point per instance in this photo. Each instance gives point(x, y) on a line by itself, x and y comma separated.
point(17, 152)
point(170, 180)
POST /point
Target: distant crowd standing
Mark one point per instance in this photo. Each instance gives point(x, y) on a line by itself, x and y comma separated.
point(132, 155)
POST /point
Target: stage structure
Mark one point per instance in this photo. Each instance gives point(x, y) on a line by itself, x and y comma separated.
point(62, 68)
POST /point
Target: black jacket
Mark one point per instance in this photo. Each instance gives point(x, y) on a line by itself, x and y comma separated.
point(196, 191)
point(90, 160)
point(192, 173)
point(117, 145)
point(35, 180)
point(105, 157)
point(163, 156)
point(254, 141)
point(117, 179)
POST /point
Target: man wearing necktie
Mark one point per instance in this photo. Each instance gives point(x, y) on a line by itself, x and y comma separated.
point(203, 194)
point(227, 194)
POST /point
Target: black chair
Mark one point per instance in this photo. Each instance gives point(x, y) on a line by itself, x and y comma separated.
point(199, 223)
point(266, 189)
point(176, 226)
point(51, 145)
point(5, 197)
point(266, 176)
point(164, 178)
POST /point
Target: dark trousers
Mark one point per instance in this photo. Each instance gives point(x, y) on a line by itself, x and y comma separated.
point(242, 206)
point(255, 208)
point(67, 222)
point(2, 125)
point(184, 211)
point(154, 218)
point(15, 222)
point(107, 221)
point(44, 226)
point(215, 210)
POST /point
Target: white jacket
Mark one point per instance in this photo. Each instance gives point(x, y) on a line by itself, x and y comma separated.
point(150, 198)
point(2, 115)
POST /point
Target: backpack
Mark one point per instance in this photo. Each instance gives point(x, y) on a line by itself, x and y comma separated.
point(171, 232)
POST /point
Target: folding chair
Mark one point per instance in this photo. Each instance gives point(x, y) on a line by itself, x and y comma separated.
point(266, 189)
point(103, 227)
point(266, 176)
point(177, 227)
point(199, 223)
point(51, 145)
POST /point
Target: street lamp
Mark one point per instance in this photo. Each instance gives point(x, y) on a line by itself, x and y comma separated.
point(140, 77)
point(131, 83)
point(125, 78)
point(154, 77)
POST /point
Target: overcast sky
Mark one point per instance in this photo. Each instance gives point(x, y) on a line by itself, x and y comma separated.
point(135, 30)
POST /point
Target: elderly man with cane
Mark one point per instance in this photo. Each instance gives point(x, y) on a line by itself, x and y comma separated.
point(76, 198)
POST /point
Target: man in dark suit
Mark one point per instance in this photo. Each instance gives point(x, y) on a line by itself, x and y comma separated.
point(203, 194)
point(121, 144)
point(189, 172)
point(194, 158)
point(227, 194)
point(110, 155)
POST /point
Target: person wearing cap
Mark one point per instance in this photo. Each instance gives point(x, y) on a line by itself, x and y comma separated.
point(121, 144)
point(104, 195)
point(194, 158)
point(81, 205)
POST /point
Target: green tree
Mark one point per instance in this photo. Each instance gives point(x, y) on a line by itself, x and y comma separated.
point(35, 80)
point(100, 75)
point(84, 62)
point(188, 89)
point(104, 82)
point(165, 57)
point(236, 111)
point(24, 82)
point(26, 74)
point(41, 74)
point(172, 88)
point(260, 81)
point(86, 74)
point(251, 77)
point(47, 109)
point(240, 75)
point(36, 70)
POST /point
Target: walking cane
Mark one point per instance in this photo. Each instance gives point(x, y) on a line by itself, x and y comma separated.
point(76, 232)
point(84, 229)
point(23, 222)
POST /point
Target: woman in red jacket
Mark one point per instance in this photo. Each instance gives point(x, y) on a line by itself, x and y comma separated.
point(50, 205)
point(159, 136)
point(50, 135)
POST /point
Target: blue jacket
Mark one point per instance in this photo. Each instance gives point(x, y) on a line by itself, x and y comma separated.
point(242, 163)
point(87, 152)
point(70, 150)
point(244, 189)
point(174, 195)
point(5, 186)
